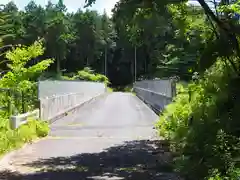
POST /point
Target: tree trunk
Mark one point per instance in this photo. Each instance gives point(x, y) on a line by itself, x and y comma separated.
point(105, 61)
point(58, 66)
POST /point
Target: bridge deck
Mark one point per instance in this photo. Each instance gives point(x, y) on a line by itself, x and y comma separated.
point(110, 138)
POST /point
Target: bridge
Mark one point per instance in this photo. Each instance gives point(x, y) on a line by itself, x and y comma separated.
point(60, 97)
point(96, 134)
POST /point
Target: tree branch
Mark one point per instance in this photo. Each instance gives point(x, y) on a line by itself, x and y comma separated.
point(209, 12)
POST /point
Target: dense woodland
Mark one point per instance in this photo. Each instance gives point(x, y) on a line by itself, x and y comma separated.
point(168, 39)
point(198, 44)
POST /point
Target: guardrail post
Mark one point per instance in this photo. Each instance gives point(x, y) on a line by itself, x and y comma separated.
point(173, 88)
point(18, 120)
point(14, 122)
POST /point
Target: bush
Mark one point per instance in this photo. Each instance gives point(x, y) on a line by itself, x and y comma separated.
point(42, 129)
point(21, 79)
point(202, 125)
point(109, 89)
point(11, 139)
point(88, 75)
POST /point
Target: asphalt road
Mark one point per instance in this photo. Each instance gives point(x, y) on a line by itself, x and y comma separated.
point(109, 138)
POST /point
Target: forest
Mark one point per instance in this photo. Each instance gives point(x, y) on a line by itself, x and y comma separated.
point(166, 42)
point(143, 39)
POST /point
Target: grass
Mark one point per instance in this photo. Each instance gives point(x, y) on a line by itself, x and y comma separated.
point(128, 88)
point(13, 139)
point(109, 89)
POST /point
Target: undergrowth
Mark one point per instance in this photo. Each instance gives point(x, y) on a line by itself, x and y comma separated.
point(202, 125)
point(21, 79)
point(109, 89)
point(87, 74)
point(12, 139)
point(126, 88)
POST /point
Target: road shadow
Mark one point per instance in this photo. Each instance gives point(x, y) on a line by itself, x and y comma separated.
point(133, 160)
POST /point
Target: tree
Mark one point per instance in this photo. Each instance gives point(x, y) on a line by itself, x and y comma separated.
point(33, 22)
point(57, 34)
point(163, 38)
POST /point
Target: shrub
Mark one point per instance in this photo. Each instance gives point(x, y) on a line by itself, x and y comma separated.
point(21, 80)
point(202, 125)
point(88, 75)
point(109, 89)
point(11, 139)
point(42, 129)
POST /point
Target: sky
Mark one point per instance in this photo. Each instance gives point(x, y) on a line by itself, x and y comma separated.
point(72, 5)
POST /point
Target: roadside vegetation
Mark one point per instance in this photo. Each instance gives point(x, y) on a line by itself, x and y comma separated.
point(27, 133)
point(87, 74)
point(198, 44)
point(201, 125)
point(124, 88)
point(21, 96)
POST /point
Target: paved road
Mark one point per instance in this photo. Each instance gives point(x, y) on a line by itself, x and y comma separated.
point(109, 138)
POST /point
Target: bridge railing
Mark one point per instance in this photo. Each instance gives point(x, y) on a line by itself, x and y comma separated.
point(55, 99)
point(59, 97)
point(156, 93)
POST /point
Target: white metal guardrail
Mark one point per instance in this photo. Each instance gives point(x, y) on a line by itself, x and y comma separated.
point(53, 107)
point(52, 88)
point(156, 93)
point(59, 97)
point(18, 120)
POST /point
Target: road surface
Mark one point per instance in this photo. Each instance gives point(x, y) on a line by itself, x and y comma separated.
point(110, 138)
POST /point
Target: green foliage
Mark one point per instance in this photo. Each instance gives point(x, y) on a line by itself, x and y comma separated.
point(128, 88)
point(109, 89)
point(202, 124)
point(88, 74)
point(171, 38)
point(230, 8)
point(11, 139)
point(18, 58)
point(22, 79)
point(168, 38)
point(41, 127)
